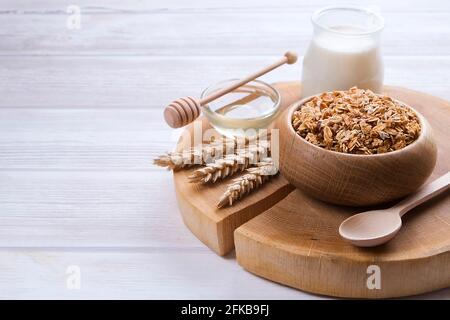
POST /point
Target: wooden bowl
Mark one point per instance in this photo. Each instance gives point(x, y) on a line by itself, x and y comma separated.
point(353, 179)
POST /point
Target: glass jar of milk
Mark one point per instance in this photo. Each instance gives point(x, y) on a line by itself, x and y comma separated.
point(344, 51)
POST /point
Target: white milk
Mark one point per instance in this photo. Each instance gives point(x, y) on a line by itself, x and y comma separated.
point(338, 61)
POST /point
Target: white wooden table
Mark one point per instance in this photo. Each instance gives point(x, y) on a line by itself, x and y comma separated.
point(81, 119)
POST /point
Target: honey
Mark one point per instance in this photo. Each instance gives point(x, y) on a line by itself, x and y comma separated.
point(244, 111)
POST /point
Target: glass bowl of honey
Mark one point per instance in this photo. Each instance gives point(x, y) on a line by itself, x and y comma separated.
point(243, 111)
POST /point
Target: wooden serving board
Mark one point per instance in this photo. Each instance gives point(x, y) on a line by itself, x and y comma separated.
point(290, 238)
point(215, 227)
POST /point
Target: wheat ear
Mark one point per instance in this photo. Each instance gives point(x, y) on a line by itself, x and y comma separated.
point(178, 160)
point(191, 157)
point(203, 155)
point(229, 165)
point(247, 183)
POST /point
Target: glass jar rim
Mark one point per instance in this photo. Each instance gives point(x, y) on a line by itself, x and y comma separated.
point(317, 14)
point(208, 111)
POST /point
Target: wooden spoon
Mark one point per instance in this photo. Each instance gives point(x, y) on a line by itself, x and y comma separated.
point(372, 228)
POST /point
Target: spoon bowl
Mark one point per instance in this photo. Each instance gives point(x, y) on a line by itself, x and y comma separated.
point(371, 228)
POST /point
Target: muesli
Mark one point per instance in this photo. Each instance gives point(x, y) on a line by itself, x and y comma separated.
point(356, 121)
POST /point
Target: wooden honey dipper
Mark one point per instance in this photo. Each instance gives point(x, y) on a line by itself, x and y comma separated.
point(185, 110)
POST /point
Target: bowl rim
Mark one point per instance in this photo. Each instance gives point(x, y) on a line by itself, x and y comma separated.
point(269, 113)
point(424, 128)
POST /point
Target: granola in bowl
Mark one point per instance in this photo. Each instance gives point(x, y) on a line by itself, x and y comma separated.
point(356, 121)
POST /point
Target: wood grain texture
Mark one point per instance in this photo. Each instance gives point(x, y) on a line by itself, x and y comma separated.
point(296, 242)
point(166, 32)
point(147, 82)
point(80, 120)
point(83, 139)
point(376, 227)
point(133, 273)
point(306, 252)
point(198, 203)
point(64, 208)
point(177, 6)
point(358, 180)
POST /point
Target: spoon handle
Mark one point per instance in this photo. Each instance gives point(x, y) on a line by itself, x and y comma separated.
point(425, 193)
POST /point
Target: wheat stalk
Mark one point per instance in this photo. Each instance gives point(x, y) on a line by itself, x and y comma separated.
point(175, 160)
point(191, 157)
point(231, 164)
point(247, 183)
point(207, 153)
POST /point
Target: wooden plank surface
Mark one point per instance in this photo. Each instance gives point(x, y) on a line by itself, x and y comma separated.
point(198, 33)
point(80, 120)
point(148, 82)
point(131, 273)
point(142, 7)
point(297, 242)
point(174, 28)
point(90, 208)
point(137, 274)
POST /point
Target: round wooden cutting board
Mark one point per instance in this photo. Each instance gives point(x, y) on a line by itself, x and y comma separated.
point(283, 235)
point(215, 227)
